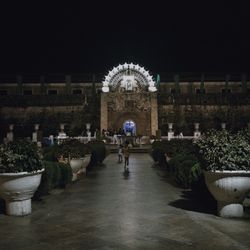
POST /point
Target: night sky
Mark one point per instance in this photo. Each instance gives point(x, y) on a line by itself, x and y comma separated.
point(93, 37)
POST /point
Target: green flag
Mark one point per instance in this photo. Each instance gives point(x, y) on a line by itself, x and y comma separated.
point(158, 80)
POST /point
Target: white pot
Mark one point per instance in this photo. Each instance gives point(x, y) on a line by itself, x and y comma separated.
point(17, 190)
point(229, 188)
point(76, 165)
point(170, 126)
point(86, 161)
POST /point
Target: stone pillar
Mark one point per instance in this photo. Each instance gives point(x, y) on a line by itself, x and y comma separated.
point(154, 113)
point(177, 84)
point(19, 80)
point(243, 83)
point(10, 135)
point(223, 125)
point(104, 112)
point(68, 84)
point(42, 85)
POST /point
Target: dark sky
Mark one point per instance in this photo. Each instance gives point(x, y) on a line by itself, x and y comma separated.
point(93, 37)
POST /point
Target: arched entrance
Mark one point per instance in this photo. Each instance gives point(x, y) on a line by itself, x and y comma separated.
point(129, 127)
point(129, 101)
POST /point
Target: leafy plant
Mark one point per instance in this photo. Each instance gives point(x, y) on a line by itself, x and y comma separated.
point(56, 175)
point(19, 156)
point(184, 169)
point(221, 150)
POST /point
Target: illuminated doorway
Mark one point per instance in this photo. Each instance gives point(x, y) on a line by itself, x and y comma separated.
point(129, 128)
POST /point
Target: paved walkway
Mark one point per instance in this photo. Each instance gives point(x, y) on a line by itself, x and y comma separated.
point(106, 210)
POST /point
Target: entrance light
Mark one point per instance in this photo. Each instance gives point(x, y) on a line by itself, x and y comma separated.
point(105, 89)
point(152, 88)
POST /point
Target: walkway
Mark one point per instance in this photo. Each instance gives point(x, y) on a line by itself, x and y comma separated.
point(109, 211)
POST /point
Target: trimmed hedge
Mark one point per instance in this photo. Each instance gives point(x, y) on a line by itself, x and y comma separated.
point(185, 169)
point(56, 175)
point(98, 153)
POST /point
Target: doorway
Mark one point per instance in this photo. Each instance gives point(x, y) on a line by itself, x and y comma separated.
point(129, 128)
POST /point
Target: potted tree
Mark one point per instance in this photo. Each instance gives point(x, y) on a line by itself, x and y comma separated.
point(225, 158)
point(76, 153)
point(20, 175)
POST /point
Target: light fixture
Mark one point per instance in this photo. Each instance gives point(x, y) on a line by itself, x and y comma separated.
point(105, 89)
point(152, 88)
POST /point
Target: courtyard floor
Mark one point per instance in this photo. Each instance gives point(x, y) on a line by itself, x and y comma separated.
point(107, 210)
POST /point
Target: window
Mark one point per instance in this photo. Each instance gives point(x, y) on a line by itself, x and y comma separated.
point(76, 91)
point(52, 91)
point(226, 91)
point(200, 91)
point(172, 91)
point(27, 92)
point(3, 92)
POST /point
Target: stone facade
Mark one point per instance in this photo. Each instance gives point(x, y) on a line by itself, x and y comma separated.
point(149, 111)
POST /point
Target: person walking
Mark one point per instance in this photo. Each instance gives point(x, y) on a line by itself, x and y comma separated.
point(126, 156)
point(120, 153)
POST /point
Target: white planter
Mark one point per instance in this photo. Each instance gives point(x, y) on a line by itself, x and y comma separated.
point(86, 161)
point(229, 188)
point(76, 165)
point(170, 126)
point(17, 190)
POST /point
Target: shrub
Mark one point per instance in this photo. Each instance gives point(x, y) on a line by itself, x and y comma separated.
point(98, 152)
point(184, 169)
point(158, 153)
point(221, 150)
point(19, 156)
point(175, 146)
point(68, 149)
point(56, 175)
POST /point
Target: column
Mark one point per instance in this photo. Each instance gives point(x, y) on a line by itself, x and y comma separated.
point(19, 80)
point(104, 112)
point(68, 84)
point(154, 113)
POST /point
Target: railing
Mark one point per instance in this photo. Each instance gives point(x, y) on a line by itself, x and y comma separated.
point(41, 100)
point(163, 99)
point(204, 99)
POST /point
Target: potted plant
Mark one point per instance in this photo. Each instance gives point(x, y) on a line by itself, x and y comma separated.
point(225, 158)
point(20, 175)
point(76, 153)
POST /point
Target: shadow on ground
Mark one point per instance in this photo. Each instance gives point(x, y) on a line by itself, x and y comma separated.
point(192, 201)
point(197, 199)
point(2, 206)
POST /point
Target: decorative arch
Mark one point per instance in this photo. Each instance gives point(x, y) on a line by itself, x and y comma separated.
point(128, 76)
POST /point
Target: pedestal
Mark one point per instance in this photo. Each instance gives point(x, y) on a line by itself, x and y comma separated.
point(170, 135)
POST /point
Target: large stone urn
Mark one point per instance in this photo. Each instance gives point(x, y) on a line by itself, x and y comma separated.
point(76, 165)
point(17, 190)
point(229, 188)
point(86, 161)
